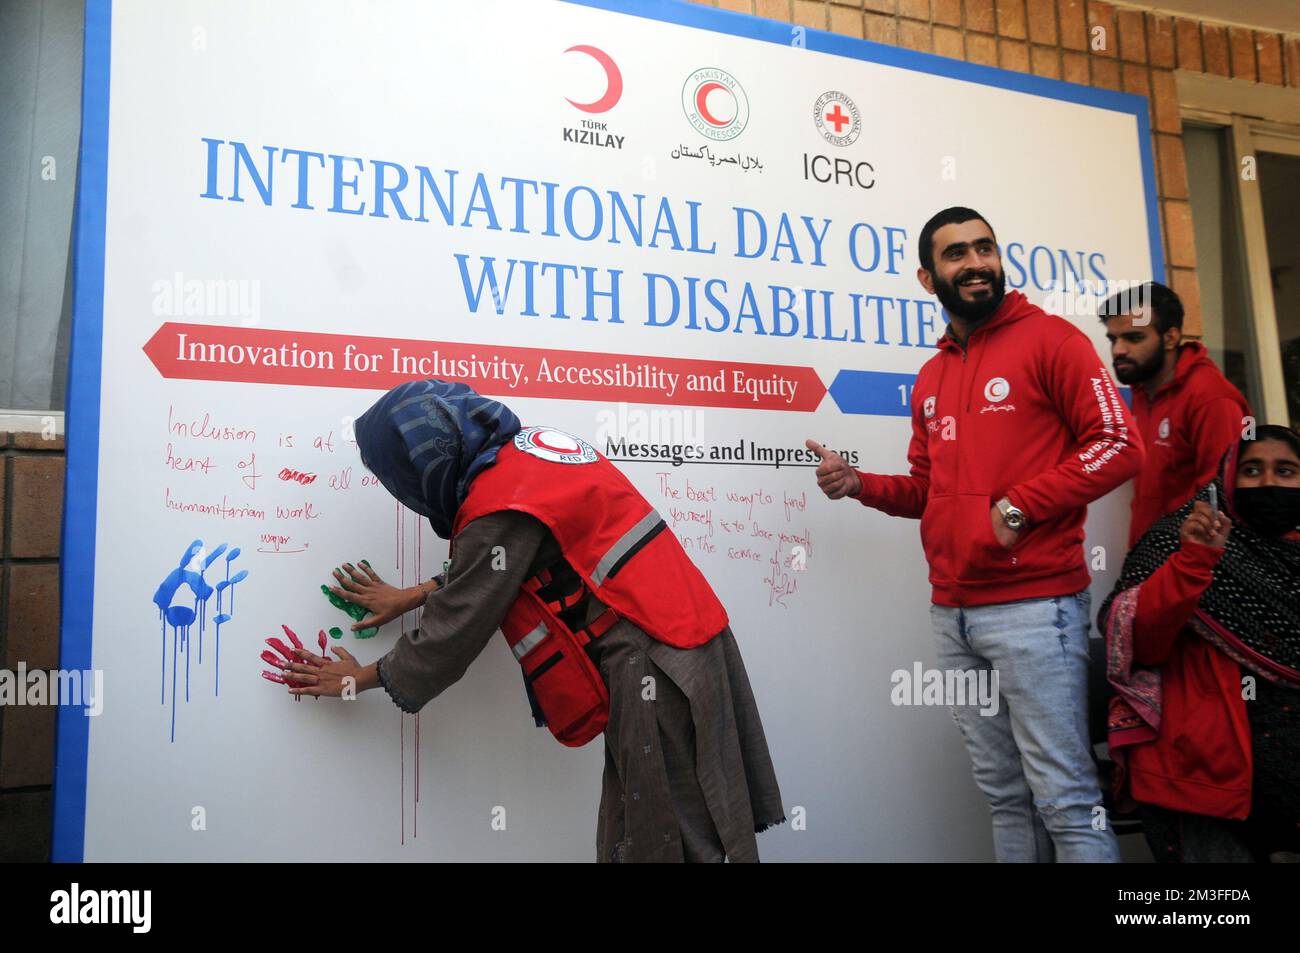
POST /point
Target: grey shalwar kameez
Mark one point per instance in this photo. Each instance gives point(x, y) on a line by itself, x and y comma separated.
point(687, 771)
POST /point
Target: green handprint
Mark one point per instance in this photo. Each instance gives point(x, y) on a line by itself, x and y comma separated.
point(358, 613)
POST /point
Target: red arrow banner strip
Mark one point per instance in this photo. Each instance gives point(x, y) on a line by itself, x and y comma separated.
point(310, 359)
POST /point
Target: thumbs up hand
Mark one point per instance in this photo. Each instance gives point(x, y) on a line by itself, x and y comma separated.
point(835, 477)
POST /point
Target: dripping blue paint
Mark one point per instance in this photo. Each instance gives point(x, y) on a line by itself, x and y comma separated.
point(191, 572)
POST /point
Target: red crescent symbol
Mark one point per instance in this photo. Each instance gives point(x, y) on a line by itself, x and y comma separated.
point(613, 80)
point(701, 95)
point(538, 440)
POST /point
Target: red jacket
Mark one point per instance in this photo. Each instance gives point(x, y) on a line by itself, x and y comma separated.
point(1185, 428)
point(1201, 761)
point(1026, 411)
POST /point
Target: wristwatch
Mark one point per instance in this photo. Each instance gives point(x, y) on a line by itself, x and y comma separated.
point(1012, 515)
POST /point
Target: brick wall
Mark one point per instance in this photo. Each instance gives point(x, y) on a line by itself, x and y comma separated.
point(1139, 50)
point(31, 516)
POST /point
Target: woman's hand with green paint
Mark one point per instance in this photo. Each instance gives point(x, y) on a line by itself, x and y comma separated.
point(361, 586)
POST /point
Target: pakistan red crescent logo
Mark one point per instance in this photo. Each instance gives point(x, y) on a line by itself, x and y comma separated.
point(715, 103)
point(554, 445)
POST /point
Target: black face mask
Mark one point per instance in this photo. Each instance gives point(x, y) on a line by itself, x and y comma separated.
point(1270, 510)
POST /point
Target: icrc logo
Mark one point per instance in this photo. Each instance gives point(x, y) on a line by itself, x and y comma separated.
point(715, 103)
point(928, 407)
point(997, 390)
point(838, 118)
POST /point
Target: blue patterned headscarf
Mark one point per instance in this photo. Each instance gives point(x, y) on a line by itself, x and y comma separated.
point(426, 440)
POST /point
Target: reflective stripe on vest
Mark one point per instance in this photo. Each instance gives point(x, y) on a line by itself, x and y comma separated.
point(646, 529)
point(529, 642)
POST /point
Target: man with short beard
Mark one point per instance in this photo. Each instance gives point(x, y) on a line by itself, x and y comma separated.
point(1016, 428)
point(1187, 412)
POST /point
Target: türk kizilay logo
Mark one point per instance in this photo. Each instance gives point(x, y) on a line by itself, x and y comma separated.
point(594, 132)
point(715, 103)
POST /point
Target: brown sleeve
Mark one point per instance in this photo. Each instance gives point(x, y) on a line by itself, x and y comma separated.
point(460, 617)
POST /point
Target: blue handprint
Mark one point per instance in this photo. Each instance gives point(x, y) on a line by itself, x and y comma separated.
point(182, 617)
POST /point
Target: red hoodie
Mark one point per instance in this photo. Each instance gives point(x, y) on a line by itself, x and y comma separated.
point(1027, 411)
point(1185, 428)
point(1201, 760)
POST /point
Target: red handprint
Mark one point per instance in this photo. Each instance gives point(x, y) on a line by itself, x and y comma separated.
point(271, 659)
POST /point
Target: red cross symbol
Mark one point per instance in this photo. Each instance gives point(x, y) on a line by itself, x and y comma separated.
point(837, 118)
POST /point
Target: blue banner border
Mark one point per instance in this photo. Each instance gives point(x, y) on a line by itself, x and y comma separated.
point(77, 564)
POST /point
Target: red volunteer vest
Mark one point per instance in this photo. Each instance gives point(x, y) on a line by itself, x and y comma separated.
point(621, 549)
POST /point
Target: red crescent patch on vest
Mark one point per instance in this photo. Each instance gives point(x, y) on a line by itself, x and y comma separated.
point(554, 445)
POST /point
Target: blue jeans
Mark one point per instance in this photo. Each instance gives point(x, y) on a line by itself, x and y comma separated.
point(1032, 758)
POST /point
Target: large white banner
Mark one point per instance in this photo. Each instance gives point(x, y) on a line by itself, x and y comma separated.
point(684, 235)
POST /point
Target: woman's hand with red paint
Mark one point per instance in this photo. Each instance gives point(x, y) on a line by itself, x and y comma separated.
point(361, 585)
point(315, 675)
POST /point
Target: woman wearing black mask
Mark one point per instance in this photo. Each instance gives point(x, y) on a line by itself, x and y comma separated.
point(1203, 649)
